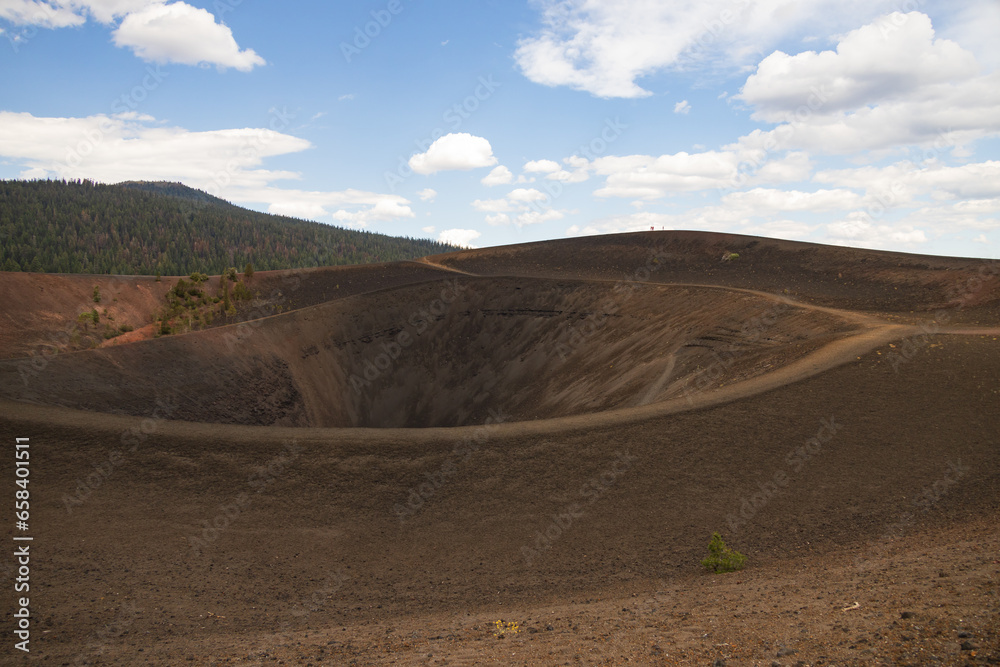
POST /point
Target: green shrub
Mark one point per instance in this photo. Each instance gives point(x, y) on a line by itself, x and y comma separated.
point(721, 558)
point(730, 256)
point(241, 292)
point(97, 294)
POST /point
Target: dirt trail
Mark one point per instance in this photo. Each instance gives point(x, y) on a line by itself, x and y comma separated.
point(424, 261)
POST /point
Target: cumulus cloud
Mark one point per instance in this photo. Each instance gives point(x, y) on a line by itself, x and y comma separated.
point(180, 33)
point(125, 147)
point(541, 166)
point(887, 59)
point(456, 151)
point(652, 177)
point(41, 14)
point(763, 201)
point(500, 175)
point(649, 177)
point(973, 25)
point(359, 208)
point(427, 194)
point(905, 182)
point(603, 47)
point(793, 230)
point(526, 195)
point(459, 237)
point(522, 206)
point(228, 163)
point(354, 208)
point(163, 32)
point(492, 205)
point(857, 231)
point(682, 107)
point(888, 84)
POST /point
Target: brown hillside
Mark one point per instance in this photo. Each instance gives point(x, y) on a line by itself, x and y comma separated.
point(580, 417)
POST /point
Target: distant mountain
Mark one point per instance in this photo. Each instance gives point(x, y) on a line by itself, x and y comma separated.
point(143, 228)
point(178, 190)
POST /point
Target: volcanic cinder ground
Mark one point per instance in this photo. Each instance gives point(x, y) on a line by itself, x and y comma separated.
point(379, 464)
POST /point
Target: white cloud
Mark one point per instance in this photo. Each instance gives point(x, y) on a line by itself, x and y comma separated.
point(500, 175)
point(857, 231)
point(649, 177)
point(541, 166)
point(364, 208)
point(427, 194)
point(106, 11)
point(227, 163)
point(579, 170)
point(522, 206)
point(887, 59)
point(652, 177)
point(763, 201)
point(114, 148)
point(603, 47)
point(904, 182)
point(42, 14)
point(682, 107)
point(888, 84)
point(163, 32)
point(456, 151)
point(498, 219)
point(492, 205)
point(981, 239)
point(526, 195)
point(538, 217)
point(973, 25)
point(355, 208)
point(180, 33)
point(793, 230)
point(459, 237)
point(977, 214)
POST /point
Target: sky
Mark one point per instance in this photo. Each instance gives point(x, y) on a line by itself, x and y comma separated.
point(867, 123)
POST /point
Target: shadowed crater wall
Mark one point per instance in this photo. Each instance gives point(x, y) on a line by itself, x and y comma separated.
point(441, 353)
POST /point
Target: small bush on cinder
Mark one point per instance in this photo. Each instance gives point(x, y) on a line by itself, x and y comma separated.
point(721, 558)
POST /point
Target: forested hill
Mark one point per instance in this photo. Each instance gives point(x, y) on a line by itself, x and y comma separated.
point(142, 228)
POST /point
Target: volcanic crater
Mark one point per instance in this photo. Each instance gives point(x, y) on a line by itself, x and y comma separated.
point(455, 352)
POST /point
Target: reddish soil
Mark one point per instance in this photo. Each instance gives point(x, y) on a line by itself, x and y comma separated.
point(847, 446)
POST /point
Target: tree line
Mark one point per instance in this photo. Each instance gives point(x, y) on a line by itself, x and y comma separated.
point(147, 228)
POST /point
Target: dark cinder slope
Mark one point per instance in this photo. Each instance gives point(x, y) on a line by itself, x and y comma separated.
point(442, 353)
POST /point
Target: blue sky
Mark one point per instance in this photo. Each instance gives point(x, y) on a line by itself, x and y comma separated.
point(862, 123)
